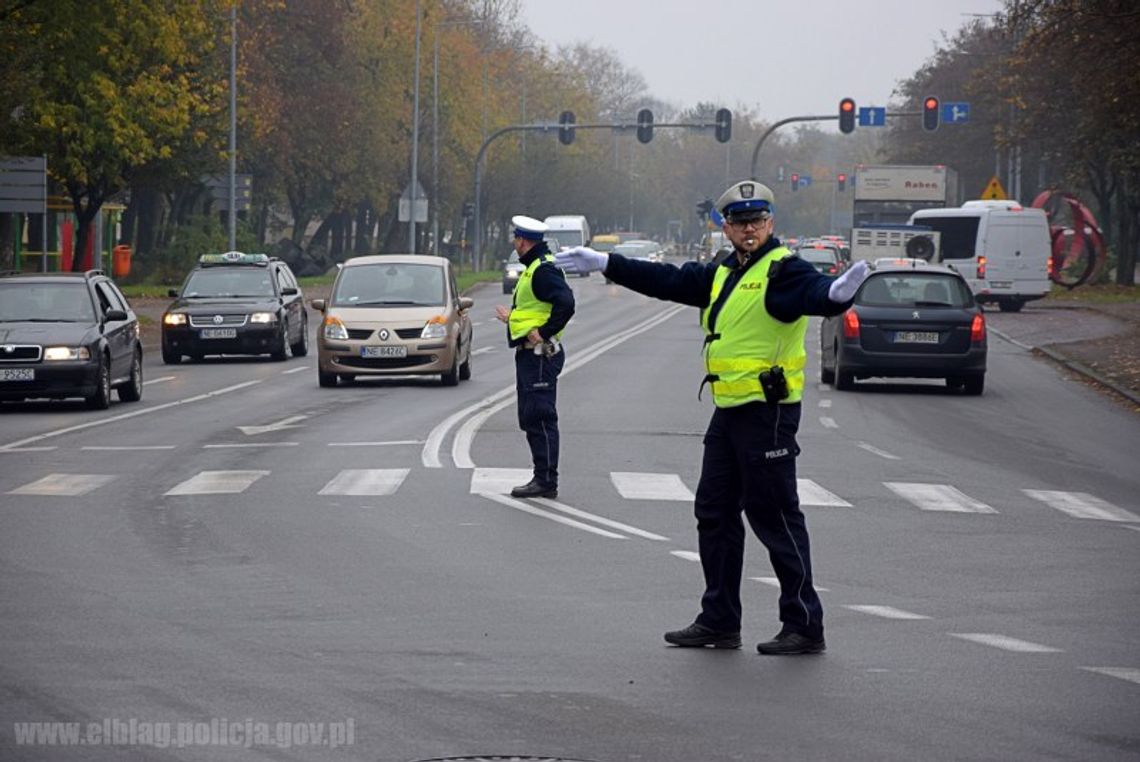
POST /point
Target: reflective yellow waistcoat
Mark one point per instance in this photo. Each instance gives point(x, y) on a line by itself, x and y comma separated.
point(527, 310)
point(748, 340)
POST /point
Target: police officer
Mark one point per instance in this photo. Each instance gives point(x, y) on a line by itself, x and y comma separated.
point(542, 305)
point(754, 307)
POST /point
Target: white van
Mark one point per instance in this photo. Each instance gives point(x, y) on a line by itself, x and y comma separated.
point(568, 229)
point(1001, 248)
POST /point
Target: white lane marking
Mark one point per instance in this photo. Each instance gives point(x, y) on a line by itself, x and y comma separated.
point(26, 449)
point(634, 485)
point(938, 497)
point(296, 370)
point(571, 511)
point(217, 483)
point(64, 484)
point(774, 582)
point(366, 481)
point(1081, 505)
point(132, 414)
point(1005, 643)
point(1124, 673)
point(688, 555)
point(519, 505)
point(461, 446)
point(125, 448)
point(825, 403)
point(482, 350)
point(159, 380)
point(812, 494)
point(236, 445)
point(498, 480)
point(887, 612)
point(828, 422)
point(876, 451)
point(285, 423)
point(477, 323)
point(392, 443)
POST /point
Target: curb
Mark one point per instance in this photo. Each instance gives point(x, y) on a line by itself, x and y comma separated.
point(1073, 365)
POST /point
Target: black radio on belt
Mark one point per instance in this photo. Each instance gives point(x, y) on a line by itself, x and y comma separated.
point(774, 384)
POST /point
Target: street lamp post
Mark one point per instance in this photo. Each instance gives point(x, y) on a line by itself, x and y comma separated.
point(232, 216)
point(415, 140)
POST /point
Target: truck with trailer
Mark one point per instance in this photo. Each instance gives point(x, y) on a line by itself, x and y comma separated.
point(891, 193)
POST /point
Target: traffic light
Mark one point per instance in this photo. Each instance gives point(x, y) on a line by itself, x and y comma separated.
point(566, 131)
point(795, 181)
point(723, 125)
point(847, 115)
point(930, 113)
point(842, 178)
point(644, 125)
point(704, 209)
point(469, 209)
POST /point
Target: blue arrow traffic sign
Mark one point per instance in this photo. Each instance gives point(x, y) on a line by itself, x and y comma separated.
point(872, 116)
point(955, 113)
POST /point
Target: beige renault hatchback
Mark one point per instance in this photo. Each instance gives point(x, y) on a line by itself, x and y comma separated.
point(394, 315)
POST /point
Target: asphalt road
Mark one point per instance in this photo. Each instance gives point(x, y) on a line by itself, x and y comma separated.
point(357, 564)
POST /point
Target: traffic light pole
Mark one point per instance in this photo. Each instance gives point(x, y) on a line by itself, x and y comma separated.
point(477, 254)
point(792, 119)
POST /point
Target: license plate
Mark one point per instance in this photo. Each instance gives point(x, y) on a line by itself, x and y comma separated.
point(1001, 284)
point(17, 374)
point(399, 351)
point(219, 333)
point(916, 337)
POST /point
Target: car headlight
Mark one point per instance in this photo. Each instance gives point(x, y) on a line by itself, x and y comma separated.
point(262, 317)
point(512, 274)
point(67, 353)
point(334, 329)
point(174, 318)
point(436, 328)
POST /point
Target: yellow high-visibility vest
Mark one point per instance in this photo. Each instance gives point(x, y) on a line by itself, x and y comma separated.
point(528, 311)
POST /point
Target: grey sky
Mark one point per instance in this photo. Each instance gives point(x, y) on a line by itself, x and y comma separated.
point(779, 58)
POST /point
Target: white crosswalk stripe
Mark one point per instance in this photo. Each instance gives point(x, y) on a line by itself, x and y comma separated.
point(938, 497)
point(217, 483)
point(773, 582)
point(498, 481)
point(1081, 505)
point(813, 494)
point(64, 485)
point(887, 612)
point(1130, 674)
point(1005, 643)
point(645, 486)
point(366, 481)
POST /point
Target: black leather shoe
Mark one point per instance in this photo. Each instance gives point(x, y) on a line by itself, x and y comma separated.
point(696, 635)
point(788, 643)
point(534, 488)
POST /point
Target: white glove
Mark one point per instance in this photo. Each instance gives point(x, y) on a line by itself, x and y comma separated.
point(581, 260)
point(849, 282)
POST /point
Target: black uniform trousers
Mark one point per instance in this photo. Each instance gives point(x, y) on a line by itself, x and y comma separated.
point(536, 383)
point(749, 466)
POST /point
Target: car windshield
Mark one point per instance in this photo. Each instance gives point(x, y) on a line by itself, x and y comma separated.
point(397, 284)
point(229, 282)
point(959, 235)
point(64, 302)
point(565, 238)
point(819, 256)
point(914, 289)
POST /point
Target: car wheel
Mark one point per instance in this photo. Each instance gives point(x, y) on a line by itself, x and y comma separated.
point(1011, 305)
point(844, 380)
point(281, 352)
point(465, 368)
point(975, 385)
point(132, 390)
point(326, 379)
point(451, 376)
point(101, 399)
point(825, 376)
point(301, 348)
point(170, 357)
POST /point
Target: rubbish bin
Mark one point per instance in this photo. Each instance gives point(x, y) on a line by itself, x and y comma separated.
point(121, 261)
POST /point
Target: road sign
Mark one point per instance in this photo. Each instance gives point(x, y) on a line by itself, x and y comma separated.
point(805, 181)
point(955, 113)
point(23, 184)
point(872, 116)
point(994, 191)
point(404, 208)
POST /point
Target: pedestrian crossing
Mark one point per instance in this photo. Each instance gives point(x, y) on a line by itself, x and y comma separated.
point(626, 485)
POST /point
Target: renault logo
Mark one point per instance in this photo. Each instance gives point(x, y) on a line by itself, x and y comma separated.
point(383, 334)
point(218, 319)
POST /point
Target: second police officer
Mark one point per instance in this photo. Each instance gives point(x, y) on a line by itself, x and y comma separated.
point(754, 309)
point(541, 307)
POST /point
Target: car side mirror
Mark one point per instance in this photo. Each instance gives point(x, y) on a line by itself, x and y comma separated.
point(289, 291)
point(114, 316)
point(172, 292)
point(466, 302)
point(318, 305)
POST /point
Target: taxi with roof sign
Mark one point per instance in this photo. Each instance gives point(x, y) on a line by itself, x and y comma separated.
point(236, 304)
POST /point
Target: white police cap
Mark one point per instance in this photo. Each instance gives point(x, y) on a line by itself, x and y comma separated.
point(529, 227)
point(748, 199)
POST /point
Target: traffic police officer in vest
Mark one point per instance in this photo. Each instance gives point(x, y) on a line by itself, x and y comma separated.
point(754, 309)
point(540, 309)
